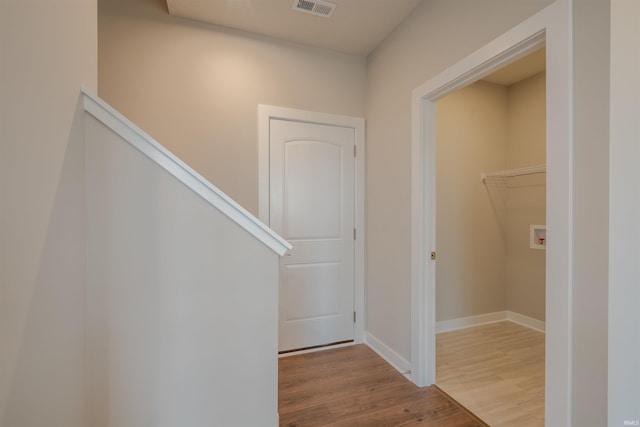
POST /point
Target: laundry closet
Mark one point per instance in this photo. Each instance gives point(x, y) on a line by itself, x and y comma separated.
point(490, 234)
point(491, 243)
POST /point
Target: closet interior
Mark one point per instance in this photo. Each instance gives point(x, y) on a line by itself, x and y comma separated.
point(491, 243)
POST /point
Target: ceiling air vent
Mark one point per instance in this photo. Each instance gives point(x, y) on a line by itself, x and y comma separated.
point(314, 7)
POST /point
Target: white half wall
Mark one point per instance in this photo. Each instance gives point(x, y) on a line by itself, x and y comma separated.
point(181, 301)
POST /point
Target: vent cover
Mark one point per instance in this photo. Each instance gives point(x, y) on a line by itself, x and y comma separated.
point(314, 7)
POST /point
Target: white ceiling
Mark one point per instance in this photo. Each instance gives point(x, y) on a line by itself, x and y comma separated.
point(519, 70)
point(356, 27)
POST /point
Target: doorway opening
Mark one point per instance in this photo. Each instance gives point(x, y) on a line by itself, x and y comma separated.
point(549, 28)
point(490, 239)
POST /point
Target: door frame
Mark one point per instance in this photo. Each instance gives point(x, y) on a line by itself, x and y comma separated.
point(268, 112)
point(552, 26)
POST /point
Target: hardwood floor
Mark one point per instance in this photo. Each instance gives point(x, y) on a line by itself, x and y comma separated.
point(353, 386)
point(496, 371)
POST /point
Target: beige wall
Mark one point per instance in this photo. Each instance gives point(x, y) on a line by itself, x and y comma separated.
point(485, 263)
point(590, 204)
point(471, 217)
point(624, 237)
point(196, 88)
point(48, 49)
point(526, 197)
point(435, 36)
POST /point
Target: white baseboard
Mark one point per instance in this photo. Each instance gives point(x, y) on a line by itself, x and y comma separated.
point(523, 320)
point(483, 319)
point(394, 359)
point(468, 322)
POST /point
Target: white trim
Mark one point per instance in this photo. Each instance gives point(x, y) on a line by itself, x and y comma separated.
point(391, 357)
point(527, 321)
point(176, 167)
point(268, 112)
point(485, 319)
point(553, 25)
point(471, 321)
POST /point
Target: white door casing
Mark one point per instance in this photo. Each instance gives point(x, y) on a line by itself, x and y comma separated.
point(311, 191)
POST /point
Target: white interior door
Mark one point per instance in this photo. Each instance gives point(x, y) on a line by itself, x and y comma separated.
point(311, 204)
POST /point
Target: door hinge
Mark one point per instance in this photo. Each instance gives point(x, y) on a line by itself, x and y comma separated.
point(354, 234)
point(355, 151)
point(354, 317)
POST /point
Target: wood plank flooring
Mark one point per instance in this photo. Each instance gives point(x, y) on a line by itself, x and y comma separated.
point(496, 371)
point(353, 386)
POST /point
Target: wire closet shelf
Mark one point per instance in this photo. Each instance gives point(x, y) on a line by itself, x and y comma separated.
point(530, 170)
